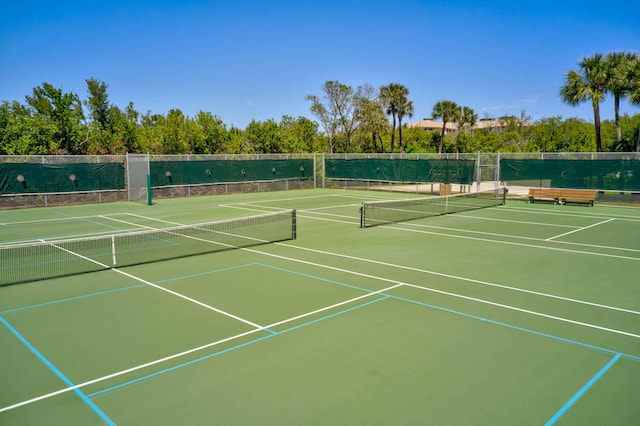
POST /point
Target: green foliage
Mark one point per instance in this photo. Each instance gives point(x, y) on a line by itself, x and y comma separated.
point(60, 114)
point(419, 141)
point(210, 134)
point(552, 134)
point(54, 122)
point(300, 135)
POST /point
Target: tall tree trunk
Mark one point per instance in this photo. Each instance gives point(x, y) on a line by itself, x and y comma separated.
point(444, 123)
point(393, 133)
point(373, 141)
point(616, 107)
point(400, 135)
point(596, 123)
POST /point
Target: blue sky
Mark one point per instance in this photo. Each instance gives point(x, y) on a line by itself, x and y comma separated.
point(244, 60)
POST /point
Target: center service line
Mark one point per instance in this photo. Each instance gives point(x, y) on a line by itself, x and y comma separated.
point(580, 229)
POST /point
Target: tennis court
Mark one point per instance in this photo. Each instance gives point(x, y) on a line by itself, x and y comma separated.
point(515, 314)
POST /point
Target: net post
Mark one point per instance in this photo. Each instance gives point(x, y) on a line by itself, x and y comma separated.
point(113, 250)
point(294, 225)
point(149, 194)
point(362, 215)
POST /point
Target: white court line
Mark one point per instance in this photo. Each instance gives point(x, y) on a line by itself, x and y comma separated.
point(493, 219)
point(589, 215)
point(70, 236)
point(414, 225)
point(395, 282)
point(175, 293)
point(583, 302)
point(580, 229)
point(584, 324)
point(519, 237)
point(527, 311)
point(392, 265)
point(190, 351)
point(456, 277)
point(566, 250)
point(57, 219)
point(314, 209)
point(140, 226)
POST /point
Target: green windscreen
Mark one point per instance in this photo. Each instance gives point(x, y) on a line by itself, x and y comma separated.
point(164, 173)
point(30, 178)
point(402, 170)
point(616, 175)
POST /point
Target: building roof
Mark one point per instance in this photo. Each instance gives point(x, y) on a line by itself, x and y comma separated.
point(429, 124)
point(483, 123)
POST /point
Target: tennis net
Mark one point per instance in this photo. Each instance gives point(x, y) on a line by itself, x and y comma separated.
point(374, 213)
point(35, 261)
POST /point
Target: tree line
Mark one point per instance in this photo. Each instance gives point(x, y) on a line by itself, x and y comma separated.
point(616, 73)
point(345, 119)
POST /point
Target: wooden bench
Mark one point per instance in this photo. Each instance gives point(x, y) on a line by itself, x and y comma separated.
point(578, 196)
point(562, 196)
point(545, 194)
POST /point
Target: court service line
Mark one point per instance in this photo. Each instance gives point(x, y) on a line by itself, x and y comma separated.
point(58, 219)
point(413, 225)
point(175, 293)
point(509, 307)
point(131, 223)
point(589, 215)
point(85, 219)
point(526, 311)
point(580, 229)
point(276, 200)
point(440, 274)
point(386, 296)
point(540, 314)
point(236, 347)
point(471, 280)
point(192, 350)
point(520, 237)
point(566, 250)
point(615, 331)
point(523, 222)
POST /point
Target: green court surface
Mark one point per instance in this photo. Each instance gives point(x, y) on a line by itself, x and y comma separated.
point(521, 314)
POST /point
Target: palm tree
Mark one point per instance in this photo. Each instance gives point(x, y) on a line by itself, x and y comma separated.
point(587, 83)
point(448, 111)
point(634, 92)
point(634, 77)
point(392, 97)
point(619, 69)
point(404, 109)
point(467, 116)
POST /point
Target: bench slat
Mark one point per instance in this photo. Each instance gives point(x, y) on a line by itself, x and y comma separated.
point(560, 196)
